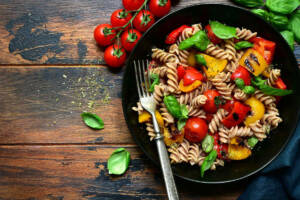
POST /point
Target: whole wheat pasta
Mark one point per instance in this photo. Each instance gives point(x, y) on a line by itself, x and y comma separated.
point(167, 117)
point(216, 51)
point(187, 98)
point(199, 101)
point(265, 99)
point(245, 34)
point(240, 132)
point(161, 71)
point(158, 94)
point(150, 130)
point(229, 48)
point(239, 94)
point(216, 120)
point(224, 89)
point(224, 135)
point(162, 56)
point(274, 75)
point(196, 112)
point(259, 130)
point(172, 78)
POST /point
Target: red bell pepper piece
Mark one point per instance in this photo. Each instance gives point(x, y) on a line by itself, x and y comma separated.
point(191, 75)
point(242, 73)
point(209, 117)
point(212, 37)
point(173, 36)
point(280, 84)
point(265, 47)
point(228, 106)
point(222, 149)
point(237, 115)
point(180, 72)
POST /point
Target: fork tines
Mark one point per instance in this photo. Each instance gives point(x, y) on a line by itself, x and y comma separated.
point(142, 77)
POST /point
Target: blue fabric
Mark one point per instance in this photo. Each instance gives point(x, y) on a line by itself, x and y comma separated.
point(281, 179)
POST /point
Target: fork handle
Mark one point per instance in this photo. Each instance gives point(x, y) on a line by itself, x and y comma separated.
point(165, 163)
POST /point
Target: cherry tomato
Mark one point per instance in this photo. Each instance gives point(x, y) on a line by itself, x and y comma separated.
point(212, 37)
point(130, 38)
point(160, 8)
point(242, 73)
point(114, 55)
point(119, 18)
point(191, 75)
point(104, 34)
point(195, 129)
point(210, 105)
point(180, 72)
point(143, 20)
point(132, 4)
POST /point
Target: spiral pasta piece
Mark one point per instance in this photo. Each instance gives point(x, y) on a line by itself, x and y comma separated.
point(196, 28)
point(160, 71)
point(240, 132)
point(167, 117)
point(265, 99)
point(150, 130)
point(218, 162)
point(158, 93)
point(245, 34)
point(258, 130)
point(229, 48)
point(224, 89)
point(216, 51)
point(234, 63)
point(216, 120)
point(205, 86)
point(239, 94)
point(172, 78)
point(274, 75)
point(187, 98)
point(162, 56)
point(223, 133)
point(186, 33)
point(194, 154)
point(272, 115)
point(196, 112)
point(138, 108)
point(181, 153)
point(199, 101)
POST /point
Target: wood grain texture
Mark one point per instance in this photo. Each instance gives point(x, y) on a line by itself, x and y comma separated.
point(76, 172)
point(59, 33)
point(41, 104)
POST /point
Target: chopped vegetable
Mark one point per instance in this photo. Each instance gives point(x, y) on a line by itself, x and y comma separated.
point(198, 40)
point(192, 59)
point(236, 140)
point(208, 144)
point(146, 117)
point(200, 59)
point(222, 31)
point(173, 36)
point(236, 152)
point(118, 161)
point(191, 75)
point(265, 47)
point(214, 66)
point(237, 115)
point(208, 161)
point(249, 89)
point(92, 120)
point(257, 110)
point(252, 141)
point(253, 62)
point(212, 37)
point(174, 137)
point(240, 83)
point(190, 87)
point(243, 45)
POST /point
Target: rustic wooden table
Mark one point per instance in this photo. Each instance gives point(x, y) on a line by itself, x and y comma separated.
point(51, 70)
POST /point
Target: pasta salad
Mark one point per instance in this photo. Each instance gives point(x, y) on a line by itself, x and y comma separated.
point(216, 92)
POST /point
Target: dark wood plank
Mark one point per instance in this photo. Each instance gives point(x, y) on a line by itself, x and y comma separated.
point(79, 172)
point(58, 31)
point(43, 104)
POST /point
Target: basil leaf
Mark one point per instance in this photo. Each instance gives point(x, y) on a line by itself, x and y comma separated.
point(219, 101)
point(282, 6)
point(222, 31)
point(92, 120)
point(294, 25)
point(249, 89)
point(243, 45)
point(252, 141)
point(173, 106)
point(198, 40)
point(181, 123)
point(278, 21)
point(249, 3)
point(118, 161)
point(200, 59)
point(208, 161)
point(184, 111)
point(289, 37)
point(155, 81)
point(239, 83)
point(266, 89)
point(262, 13)
point(208, 144)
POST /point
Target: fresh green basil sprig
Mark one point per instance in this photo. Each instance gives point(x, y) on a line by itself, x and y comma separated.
point(294, 25)
point(280, 22)
point(250, 3)
point(262, 13)
point(208, 161)
point(208, 143)
point(118, 161)
point(222, 31)
point(242, 45)
point(266, 89)
point(289, 37)
point(92, 120)
point(282, 6)
point(178, 111)
point(198, 40)
point(155, 81)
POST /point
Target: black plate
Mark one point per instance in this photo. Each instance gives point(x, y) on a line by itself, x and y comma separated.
point(266, 151)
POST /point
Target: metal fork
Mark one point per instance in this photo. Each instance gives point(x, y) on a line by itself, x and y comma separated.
point(148, 103)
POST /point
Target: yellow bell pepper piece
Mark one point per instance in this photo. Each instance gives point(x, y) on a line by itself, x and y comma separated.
point(236, 152)
point(190, 87)
point(254, 62)
point(236, 140)
point(214, 66)
point(170, 139)
point(257, 110)
point(146, 117)
point(191, 59)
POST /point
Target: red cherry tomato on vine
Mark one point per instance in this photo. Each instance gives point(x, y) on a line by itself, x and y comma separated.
point(104, 34)
point(195, 129)
point(210, 105)
point(160, 8)
point(130, 38)
point(119, 18)
point(132, 4)
point(115, 56)
point(143, 20)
